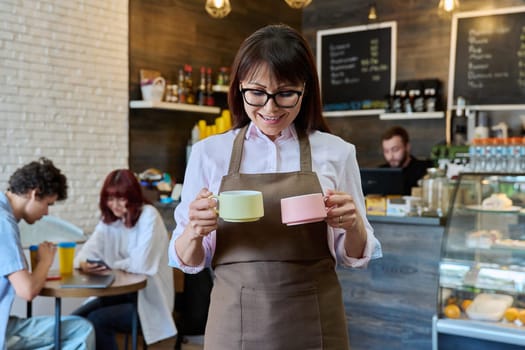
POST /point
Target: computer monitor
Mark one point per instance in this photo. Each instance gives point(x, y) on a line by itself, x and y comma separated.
point(382, 181)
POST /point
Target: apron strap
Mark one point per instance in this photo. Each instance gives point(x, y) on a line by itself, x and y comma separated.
point(235, 160)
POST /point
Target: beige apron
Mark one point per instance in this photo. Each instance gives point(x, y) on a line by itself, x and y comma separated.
point(275, 286)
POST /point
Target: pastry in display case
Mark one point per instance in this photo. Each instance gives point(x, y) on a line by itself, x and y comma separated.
point(481, 295)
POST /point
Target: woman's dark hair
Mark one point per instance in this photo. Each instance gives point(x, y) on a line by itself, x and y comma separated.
point(290, 59)
point(41, 175)
point(122, 183)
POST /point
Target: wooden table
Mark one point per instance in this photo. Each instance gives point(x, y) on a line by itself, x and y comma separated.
point(124, 283)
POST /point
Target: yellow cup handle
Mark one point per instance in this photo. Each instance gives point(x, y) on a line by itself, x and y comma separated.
point(216, 198)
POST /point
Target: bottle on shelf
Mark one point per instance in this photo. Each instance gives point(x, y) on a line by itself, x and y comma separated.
point(407, 102)
point(397, 102)
point(513, 154)
point(201, 90)
point(430, 99)
point(188, 83)
point(460, 123)
point(210, 101)
point(182, 92)
point(418, 101)
point(522, 155)
point(223, 78)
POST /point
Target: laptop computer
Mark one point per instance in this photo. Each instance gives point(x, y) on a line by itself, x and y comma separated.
point(87, 280)
point(382, 181)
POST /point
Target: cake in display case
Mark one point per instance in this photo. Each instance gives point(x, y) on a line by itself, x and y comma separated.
point(481, 296)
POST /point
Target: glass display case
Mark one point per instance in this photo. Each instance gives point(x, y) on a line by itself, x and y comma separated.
point(481, 297)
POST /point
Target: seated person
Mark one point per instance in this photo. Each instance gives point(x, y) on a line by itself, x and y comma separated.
point(130, 236)
point(396, 150)
point(32, 189)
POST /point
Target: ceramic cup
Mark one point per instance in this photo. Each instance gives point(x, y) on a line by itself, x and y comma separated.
point(303, 209)
point(154, 91)
point(66, 255)
point(240, 206)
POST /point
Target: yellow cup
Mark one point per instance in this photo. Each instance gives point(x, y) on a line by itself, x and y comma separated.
point(33, 254)
point(240, 206)
point(66, 255)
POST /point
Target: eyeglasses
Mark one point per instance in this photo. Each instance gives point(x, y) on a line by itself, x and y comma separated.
point(282, 99)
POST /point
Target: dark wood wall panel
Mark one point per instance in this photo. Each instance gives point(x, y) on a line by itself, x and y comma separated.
point(166, 34)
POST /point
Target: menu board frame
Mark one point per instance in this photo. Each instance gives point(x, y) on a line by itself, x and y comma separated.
point(326, 34)
point(453, 69)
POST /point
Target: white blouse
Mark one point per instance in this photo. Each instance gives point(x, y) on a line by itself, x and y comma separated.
point(139, 249)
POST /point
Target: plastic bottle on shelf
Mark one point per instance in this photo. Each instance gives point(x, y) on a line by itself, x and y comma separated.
point(522, 155)
point(476, 155)
point(513, 154)
point(501, 154)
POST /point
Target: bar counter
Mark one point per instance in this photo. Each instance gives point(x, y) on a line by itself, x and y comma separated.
point(390, 304)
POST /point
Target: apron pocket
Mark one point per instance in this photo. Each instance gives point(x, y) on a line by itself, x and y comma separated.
point(280, 319)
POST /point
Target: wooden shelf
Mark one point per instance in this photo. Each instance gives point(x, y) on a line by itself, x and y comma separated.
point(415, 115)
point(174, 107)
point(220, 88)
point(331, 114)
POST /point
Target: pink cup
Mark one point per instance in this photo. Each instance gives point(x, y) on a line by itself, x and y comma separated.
point(303, 209)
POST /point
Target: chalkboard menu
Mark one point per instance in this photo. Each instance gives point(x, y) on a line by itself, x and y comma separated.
point(356, 67)
point(488, 57)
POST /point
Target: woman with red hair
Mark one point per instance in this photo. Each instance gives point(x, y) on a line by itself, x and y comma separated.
point(130, 236)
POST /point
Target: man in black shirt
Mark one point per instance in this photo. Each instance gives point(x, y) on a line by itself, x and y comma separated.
point(396, 150)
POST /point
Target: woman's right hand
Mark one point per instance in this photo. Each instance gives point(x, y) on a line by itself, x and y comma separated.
point(202, 215)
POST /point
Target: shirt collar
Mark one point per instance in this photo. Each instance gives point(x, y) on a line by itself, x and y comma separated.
point(286, 134)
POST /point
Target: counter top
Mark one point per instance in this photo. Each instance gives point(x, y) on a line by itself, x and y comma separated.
point(409, 220)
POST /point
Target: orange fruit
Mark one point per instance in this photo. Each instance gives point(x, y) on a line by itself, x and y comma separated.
point(511, 314)
point(521, 316)
point(465, 303)
point(452, 311)
point(452, 300)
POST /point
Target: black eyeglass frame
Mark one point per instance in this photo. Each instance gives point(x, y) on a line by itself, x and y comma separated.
point(271, 96)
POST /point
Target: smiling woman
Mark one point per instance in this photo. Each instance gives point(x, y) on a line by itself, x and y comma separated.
point(280, 146)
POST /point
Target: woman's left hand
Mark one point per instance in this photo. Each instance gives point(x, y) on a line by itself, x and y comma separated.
point(342, 212)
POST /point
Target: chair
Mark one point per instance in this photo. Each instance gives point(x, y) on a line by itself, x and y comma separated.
point(126, 337)
point(192, 301)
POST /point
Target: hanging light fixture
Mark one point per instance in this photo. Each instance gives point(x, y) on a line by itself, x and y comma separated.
point(372, 12)
point(448, 6)
point(298, 4)
point(218, 8)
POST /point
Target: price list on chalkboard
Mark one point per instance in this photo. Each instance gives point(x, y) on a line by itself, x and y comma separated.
point(355, 66)
point(489, 66)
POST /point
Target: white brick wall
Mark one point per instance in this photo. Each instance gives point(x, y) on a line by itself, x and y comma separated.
point(64, 94)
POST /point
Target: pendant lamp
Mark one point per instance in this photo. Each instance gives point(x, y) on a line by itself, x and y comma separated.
point(218, 8)
point(448, 6)
point(298, 4)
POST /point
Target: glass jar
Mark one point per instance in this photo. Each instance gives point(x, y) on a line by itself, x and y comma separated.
point(435, 193)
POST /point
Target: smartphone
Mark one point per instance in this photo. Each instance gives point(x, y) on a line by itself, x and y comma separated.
point(99, 262)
